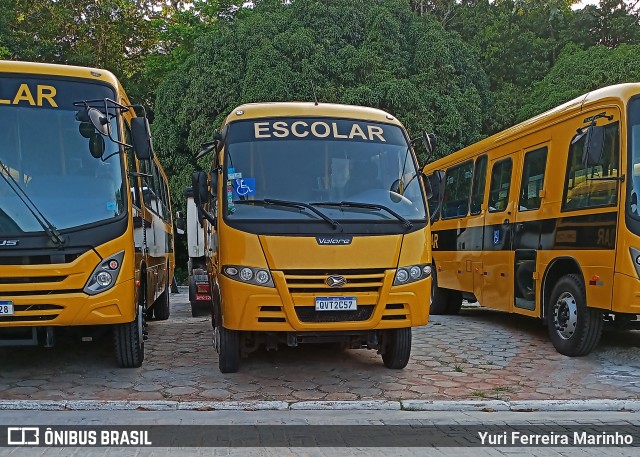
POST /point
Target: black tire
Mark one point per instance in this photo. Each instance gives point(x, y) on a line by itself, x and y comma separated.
point(129, 341)
point(455, 302)
point(162, 306)
point(397, 348)
point(199, 309)
point(574, 329)
point(227, 343)
point(439, 296)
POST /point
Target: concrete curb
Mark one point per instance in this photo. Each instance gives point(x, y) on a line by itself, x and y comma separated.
point(405, 405)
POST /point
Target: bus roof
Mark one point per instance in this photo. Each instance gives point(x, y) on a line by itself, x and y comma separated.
point(95, 74)
point(310, 109)
point(620, 92)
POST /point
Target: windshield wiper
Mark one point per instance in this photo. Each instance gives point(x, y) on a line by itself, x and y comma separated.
point(376, 206)
point(292, 204)
point(46, 225)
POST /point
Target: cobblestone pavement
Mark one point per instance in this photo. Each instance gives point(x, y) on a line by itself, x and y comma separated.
point(480, 354)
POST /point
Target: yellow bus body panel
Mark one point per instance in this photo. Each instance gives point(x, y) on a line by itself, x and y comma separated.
point(610, 278)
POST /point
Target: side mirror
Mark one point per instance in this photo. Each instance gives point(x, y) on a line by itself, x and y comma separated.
point(593, 145)
point(429, 141)
point(96, 145)
point(199, 187)
point(427, 185)
point(99, 120)
point(180, 224)
point(141, 137)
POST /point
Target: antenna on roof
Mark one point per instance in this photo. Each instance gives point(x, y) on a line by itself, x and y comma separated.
point(313, 88)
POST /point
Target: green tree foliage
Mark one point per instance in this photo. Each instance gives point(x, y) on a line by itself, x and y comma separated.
point(589, 69)
point(351, 51)
point(113, 34)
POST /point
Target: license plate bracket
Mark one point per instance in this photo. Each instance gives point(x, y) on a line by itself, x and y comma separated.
point(6, 308)
point(336, 304)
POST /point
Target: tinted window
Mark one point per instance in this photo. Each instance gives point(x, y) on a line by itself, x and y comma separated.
point(500, 184)
point(479, 180)
point(434, 201)
point(535, 163)
point(456, 190)
point(131, 166)
point(633, 170)
point(590, 163)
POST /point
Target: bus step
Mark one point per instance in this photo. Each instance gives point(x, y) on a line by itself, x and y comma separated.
point(19, 337)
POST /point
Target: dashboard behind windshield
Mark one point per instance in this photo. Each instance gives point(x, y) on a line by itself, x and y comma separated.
point(320, 160)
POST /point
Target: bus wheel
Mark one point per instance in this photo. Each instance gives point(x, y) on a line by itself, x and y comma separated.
point(162, 306)
point(129, 341)
point(455, 302)
point(227, 344)
point(439, 296)
point(574, 329)
point(199, 309)
point(397, 348)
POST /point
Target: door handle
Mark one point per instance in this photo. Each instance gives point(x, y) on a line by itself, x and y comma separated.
point(506, 221)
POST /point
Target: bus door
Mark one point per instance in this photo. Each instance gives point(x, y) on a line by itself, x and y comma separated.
point(475, 224)
point(529, 218)
point(497, 263)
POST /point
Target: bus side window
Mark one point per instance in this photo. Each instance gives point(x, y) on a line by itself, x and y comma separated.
point(500, 184)
point(131, 166)
point(477, 188)
point(535, 163)
point(456, 190)
point(584, 186)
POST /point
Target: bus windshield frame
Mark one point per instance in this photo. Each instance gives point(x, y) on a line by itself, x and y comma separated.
point(321, 162)
point(46, 153)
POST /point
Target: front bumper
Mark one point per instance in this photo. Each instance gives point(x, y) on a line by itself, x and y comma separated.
point(286, 309)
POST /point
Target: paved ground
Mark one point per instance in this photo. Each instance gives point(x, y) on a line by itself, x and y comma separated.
point(480, 354)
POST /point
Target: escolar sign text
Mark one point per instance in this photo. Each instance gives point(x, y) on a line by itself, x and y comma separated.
point(319, 129)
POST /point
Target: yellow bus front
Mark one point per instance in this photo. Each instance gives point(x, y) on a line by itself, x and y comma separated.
point(67, 251)
point(322, 230)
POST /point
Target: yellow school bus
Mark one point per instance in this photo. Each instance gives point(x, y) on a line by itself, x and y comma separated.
point(86, 235)
point(316, 229)
point(543, 219)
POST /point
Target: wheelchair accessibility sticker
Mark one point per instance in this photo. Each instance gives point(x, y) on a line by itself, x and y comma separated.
point(496, 236)
point(244, 187)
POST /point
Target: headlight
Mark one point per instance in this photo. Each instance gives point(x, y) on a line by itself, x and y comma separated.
point(635, 255)
point(105, 274)
point(411, 273)
point(249, 275)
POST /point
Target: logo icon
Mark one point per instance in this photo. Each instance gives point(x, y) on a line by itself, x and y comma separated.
point(23, 436)
point(334, 240)
point(496, 236)
point(9, 243)
point(336, 281)
point(244, 186)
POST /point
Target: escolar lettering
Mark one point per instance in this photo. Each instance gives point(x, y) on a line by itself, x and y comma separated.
point(318, 129)
point(26, 95)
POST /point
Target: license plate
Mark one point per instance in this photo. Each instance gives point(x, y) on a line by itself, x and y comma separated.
point(200, 297)
point(6, 308)
point(336, 304)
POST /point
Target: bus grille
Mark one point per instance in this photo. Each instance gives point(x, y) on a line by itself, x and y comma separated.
point(32, 279)
point(39, 259)
point(33, 315)
point(309, 314)
point(314, 281)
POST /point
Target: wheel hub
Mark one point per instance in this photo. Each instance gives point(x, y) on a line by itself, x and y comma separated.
point(141, 320)
point(565, 315)
point(216, 339)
